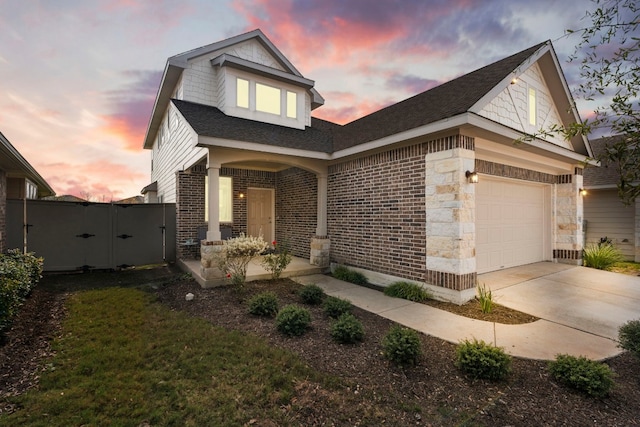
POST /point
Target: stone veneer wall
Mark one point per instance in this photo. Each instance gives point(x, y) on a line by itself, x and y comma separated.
point(189, 212)
point(296, 209)
point(3, 211)
point(376, 212)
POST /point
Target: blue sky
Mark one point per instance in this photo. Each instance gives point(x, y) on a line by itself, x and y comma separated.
point(78, 77)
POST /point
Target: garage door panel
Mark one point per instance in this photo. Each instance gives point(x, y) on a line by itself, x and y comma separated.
point(509, 223)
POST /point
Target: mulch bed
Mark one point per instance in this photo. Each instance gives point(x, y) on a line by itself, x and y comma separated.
point(372, 391)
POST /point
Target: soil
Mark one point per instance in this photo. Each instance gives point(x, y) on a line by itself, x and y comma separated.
point(369, 390)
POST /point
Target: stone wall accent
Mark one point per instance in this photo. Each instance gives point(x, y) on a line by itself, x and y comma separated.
point(296, 210)
point(568, 215)
point(189, 213)
point(376, 212)
point(3, 211)
point(320, 252)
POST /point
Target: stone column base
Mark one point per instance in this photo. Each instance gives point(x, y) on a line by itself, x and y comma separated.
point(209, 270)
point(320, 249)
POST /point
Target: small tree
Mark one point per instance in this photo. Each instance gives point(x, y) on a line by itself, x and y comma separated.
point(278, 261)
point(236, 255)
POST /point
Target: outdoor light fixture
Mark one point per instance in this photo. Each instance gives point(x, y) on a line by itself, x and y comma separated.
point(471, 176)
point(583, 192)
point(241, 195)
point(514, 80)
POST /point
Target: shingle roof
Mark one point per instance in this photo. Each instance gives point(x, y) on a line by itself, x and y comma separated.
point(603, 175)
point(210, 121)
point(444, 101)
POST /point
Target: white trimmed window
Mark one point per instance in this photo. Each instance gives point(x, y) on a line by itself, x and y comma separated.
point(267, 99)
point(533, 109)
point(242, 93)
point(225, 196)
point(292, 105)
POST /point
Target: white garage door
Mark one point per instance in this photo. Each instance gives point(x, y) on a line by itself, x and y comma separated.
point(511, 223)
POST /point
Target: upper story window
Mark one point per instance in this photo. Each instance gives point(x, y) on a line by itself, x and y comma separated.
point(533, 109)
point(267, 99)
point(242, 93)
point(292, 105)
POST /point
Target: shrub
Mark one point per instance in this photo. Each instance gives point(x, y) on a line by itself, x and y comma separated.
point(629, 337)
point(236, 255)
point(278, 261)
point(601, 256)
point(311, 294)
point(19, 274)
point(343, 273)
point(347, 329)
point(485, 298)
point(292, 320)
point(478, 359)
point(591, 377)
point(408, 291)
point(402, 346)
point(336, 307)
point(264, 304)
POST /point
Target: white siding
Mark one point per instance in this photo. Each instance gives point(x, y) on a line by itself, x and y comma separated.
point(510, 107)
point(608, 217)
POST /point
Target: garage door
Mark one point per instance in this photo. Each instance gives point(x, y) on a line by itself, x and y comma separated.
point(510, 223)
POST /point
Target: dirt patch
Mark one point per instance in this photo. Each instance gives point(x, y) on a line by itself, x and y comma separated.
point(369, 390)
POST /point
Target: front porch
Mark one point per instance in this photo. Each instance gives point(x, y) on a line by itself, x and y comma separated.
point(255, 271)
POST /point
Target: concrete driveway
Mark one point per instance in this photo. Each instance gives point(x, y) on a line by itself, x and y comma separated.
point(594, 301)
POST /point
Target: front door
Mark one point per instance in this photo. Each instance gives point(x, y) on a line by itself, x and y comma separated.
point(260, 213)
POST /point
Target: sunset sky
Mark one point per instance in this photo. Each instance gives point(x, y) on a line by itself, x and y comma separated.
point(78, 77)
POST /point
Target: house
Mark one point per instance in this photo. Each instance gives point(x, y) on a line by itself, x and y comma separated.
point(607, 218)
point(432, 189)
point(18, 180)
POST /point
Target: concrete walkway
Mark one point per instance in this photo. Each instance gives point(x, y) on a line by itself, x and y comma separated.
point(580, 310)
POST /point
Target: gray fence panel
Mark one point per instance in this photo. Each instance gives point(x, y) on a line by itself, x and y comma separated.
point(72, 236)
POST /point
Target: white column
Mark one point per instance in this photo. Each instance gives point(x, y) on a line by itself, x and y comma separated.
point(213, 175)
point(321, 229)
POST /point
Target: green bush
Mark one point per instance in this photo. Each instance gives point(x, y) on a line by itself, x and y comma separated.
point(292, 320)
point(19, 274)
point(478, 359)
point(343, 273)
point(264, 304)
point(591, 377)
point(629, 337)
point(311, 294)
point(336, 307)
point(402, 346)
point(347, 329)
point(408, 291)
point(601, 256)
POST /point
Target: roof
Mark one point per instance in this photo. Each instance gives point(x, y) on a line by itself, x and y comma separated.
point(603, 175)
point(12, 162)
point(210, 121)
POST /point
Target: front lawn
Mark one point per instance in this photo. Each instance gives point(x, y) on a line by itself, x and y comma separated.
point(630, 268)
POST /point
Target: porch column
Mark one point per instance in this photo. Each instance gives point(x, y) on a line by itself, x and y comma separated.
point(213, 175)
point(569, 215)
point(321, 229)
point(320, 243)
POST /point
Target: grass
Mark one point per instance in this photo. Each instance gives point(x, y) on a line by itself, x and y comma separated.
point(632, 268)
point(124, 360)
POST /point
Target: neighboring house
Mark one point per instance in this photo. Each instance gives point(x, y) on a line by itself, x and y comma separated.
point(18, 180)
point(607, 218)
point(390, 193)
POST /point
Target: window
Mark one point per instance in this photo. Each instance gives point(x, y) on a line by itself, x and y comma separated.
point(292, 105)
point(242, 93)
point(267, 99)
point(225, 202)
point(532, 106)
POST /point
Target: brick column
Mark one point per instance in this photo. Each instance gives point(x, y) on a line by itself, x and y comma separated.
point(569, 208)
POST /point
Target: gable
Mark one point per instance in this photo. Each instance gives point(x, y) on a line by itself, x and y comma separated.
point(512, 106)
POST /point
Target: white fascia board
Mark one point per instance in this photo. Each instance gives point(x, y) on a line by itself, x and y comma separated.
point(209, 141)
point(431, 128)
point(168, 83)
point(255, 68)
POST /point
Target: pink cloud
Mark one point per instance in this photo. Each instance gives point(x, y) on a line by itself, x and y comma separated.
point(352, 108)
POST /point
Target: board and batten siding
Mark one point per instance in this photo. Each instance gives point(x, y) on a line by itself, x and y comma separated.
point(608, 217)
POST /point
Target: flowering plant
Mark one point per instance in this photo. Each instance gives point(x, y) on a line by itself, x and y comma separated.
point(277, 261)
point(236, 255)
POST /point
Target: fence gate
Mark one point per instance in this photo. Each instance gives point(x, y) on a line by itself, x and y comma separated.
point(72, 236)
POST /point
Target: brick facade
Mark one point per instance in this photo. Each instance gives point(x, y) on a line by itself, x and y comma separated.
point(189, 213)
point(3, 211)
point(376, 212)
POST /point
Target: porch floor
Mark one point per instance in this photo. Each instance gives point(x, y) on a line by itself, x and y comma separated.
point(255, 271)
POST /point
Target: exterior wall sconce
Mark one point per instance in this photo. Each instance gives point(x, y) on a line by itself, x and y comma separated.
point(472, 177)
point(583, 192)
point(241, 195)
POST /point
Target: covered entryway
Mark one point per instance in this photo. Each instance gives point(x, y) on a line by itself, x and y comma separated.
point(512, 223)
point(260, 213)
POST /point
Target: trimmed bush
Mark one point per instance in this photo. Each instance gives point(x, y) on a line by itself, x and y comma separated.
point(478, 359)
point(402, 346)
point(629, 337)
point(347, 329)
point(336, 307)
point(311, 294)
point(601, 256)
point(19, 274)
point(591, 377)
point(343, 273)
point(292, 320)
point(264, 304)
point(408, 291)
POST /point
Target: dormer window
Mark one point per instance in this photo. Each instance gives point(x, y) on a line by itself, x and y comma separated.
point(267, 99)
point(242, 93)
point(292, 105)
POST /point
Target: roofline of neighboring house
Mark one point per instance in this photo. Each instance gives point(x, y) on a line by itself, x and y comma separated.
point(22, 168)
point(177, 63)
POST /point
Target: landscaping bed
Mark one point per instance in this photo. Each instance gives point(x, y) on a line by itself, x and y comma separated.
point(368, 390)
